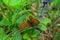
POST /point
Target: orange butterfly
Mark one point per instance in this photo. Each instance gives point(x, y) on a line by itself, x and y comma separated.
point(29, 23)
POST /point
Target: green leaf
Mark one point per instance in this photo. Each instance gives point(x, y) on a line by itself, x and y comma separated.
point(15, 3)
point(30, 1)
point(54, 14)
point(6, 37)
point(17, 35)
point(26, 36)
point(43, 27)
point(28, 30)
point(14, 17)
point(58, 25)
point(4, 22)
point(57, 36)
point(0, 1)
point(36, 33)
point(3, 36)
point(6, 2)
point(55, 3)
point(21, 19)
point(46, 21)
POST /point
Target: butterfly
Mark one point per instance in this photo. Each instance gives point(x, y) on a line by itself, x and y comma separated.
point(31, 22)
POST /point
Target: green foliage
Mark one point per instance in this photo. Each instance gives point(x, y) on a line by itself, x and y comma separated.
point(15, 3)
point(14, 12)
point(45, 21)
point(31, 33)
point(43, 27)
point(58, 25)
point(36, 33)
point(57, 36)
point(26, 36)
point(3, 35)
point(4, 22)
point(16, 35)
point(55, 3)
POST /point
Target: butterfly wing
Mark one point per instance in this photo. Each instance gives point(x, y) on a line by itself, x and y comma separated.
point(35, 22)
point(24, 25)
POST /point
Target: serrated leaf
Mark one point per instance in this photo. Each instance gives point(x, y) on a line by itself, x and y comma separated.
point(17, 35)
